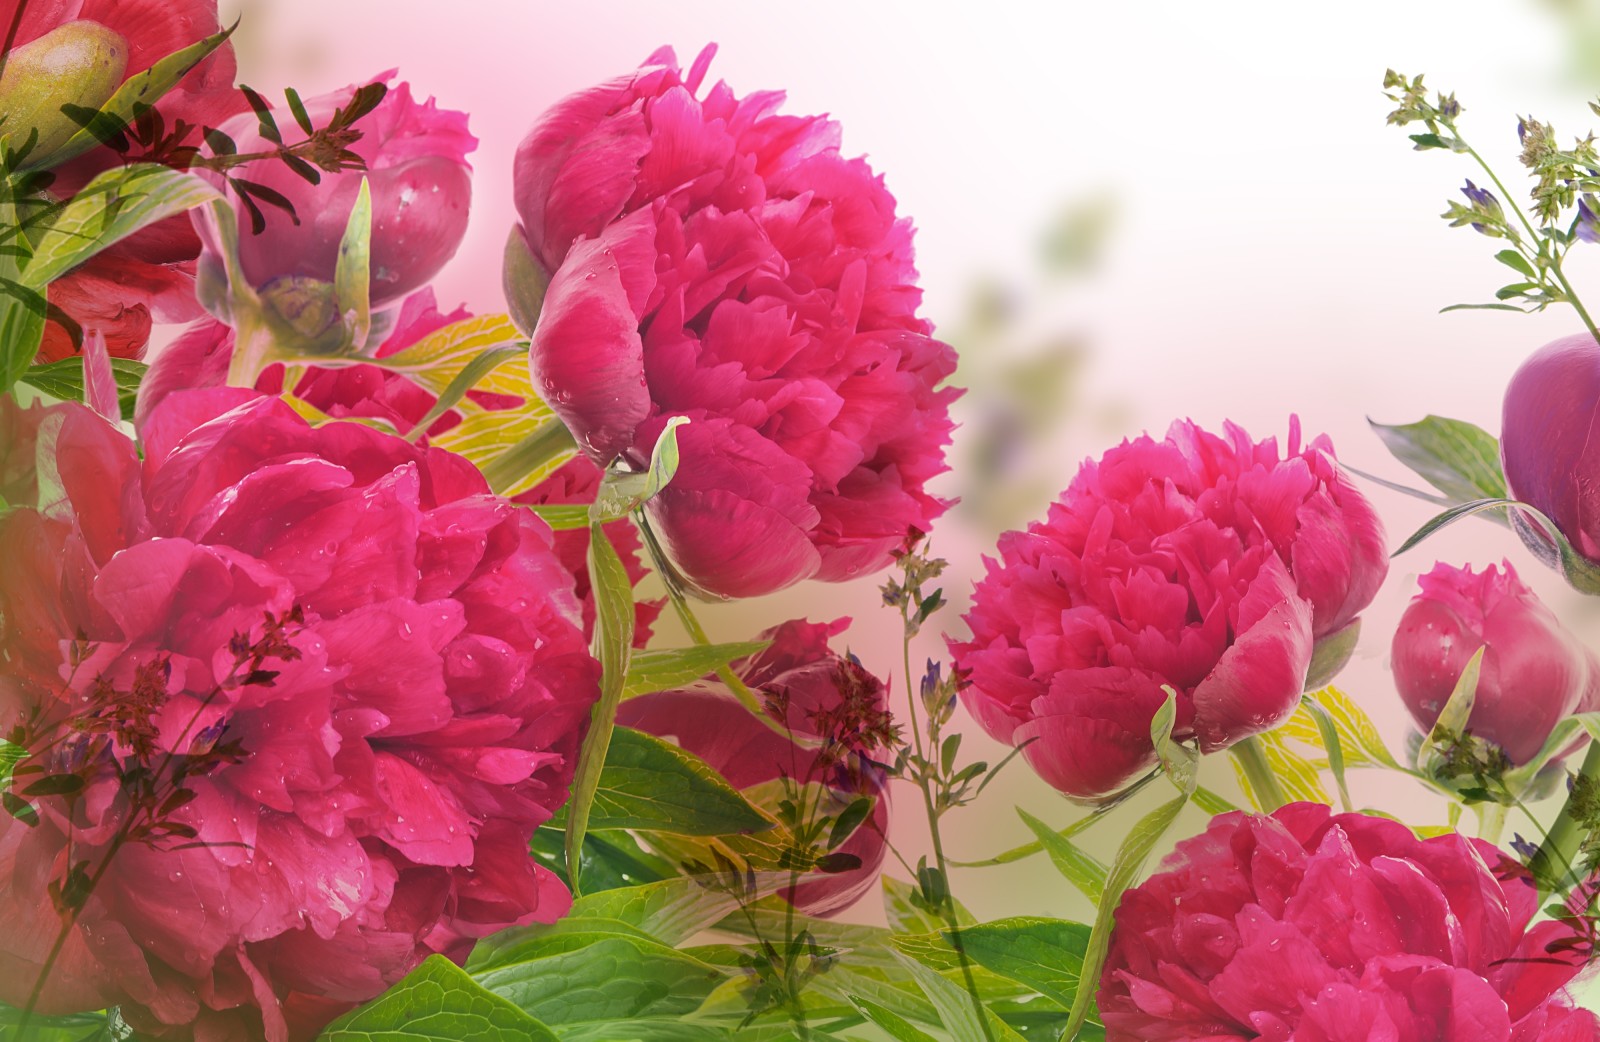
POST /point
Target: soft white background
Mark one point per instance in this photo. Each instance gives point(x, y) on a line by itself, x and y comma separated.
point(1273, 246)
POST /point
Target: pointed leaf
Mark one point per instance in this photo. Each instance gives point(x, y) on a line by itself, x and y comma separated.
point(352, 272)
point(436, 1002)
point(648, 783)
point(1080, 869)
point(1457, 458)
point(665, 670)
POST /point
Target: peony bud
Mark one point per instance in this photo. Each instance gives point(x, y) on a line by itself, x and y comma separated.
point(1534, 673)
point(1546, 447)
point(77, 65)
point(421, 187)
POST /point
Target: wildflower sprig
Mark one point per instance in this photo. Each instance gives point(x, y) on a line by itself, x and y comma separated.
point(1561, 199)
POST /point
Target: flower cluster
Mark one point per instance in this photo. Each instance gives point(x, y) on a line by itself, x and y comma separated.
point(710, 258)
point(1210, 565)
point(393, 751)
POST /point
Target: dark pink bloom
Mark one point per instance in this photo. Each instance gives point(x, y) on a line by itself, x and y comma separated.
point(1210, 564)
point(710, 258)
point(386, 776)
point(1546, 422)
point(421, 188)
point(831, 702)
point(1534, 673)
point(200, 357)
point(1311, 927)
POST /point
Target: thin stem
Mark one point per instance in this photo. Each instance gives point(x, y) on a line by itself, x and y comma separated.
point(1553, 863)
point(1258, 773)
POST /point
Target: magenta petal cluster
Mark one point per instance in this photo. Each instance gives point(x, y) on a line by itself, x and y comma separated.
point(415, 155)
point(1547, 421)
point(821, 699)
point(1534, 672)
point(1210, 564)
point(386, 766)
point(1305, 926)
point(711, 258)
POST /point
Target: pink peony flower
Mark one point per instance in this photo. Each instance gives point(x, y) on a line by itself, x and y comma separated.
point(1534, 673)
point(710, 258)
point(1549, 410)
point(363, 795)
point(831, 702)
point(1210, 564)
point(200, 357)
point(150, 275)
point(1312, 927)
point(421, 186)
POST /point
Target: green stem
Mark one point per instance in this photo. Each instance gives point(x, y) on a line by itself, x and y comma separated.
point(1258, 773)
point(1552, 865)
point(544, 446)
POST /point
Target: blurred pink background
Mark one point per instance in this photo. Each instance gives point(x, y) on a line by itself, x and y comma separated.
point(1258, 242)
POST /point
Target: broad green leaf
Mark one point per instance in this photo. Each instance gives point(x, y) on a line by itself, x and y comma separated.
point(63, 379)
point(673, 909)
point(464, 381)
point(1358, 735)
point(1044, 954)
point(665, 670)
point(599, 978)
point(651, 784)
point(956, 1009)
point(647, 1030)
point(438, 359)
point(137, 93)
point(352, 270)
point(900, 1029)
point(1516, 262)
point(564, 517)
point(1080, 869)
point(437, 1002)
point(1297, 775)
point(109, 208)
point(1457, 458)
point(613, 643)
point(1136, 847)
point(610, 859)
point(525, 282)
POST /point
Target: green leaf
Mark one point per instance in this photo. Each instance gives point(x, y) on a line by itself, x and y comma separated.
point(437, 1001)
point(849, 820)
point(908, 916)
point(1298, 776)
point(352, 271)
point(955, 1007)
point(566, 517)
point(1358, 735)
point(648, 783)
point(1451, 516)
point(900, 1029)
point(623, 492)
point(524, 280)
point(1210, 802)
point(1330, 653)
point(613, 643)
point(1457, 458)
point(1180, 761)
point(1454, 716)
point(22, 308)
point(1516, 262)
point(1080, 869)
point(464, 381)
point(136, 94)
point(1044, 954)
point(669, 669)
point(1140, 841)
point(567, 979)
point(672, 910)
point(1481, 307)
point(108, 209)
point(63, 379)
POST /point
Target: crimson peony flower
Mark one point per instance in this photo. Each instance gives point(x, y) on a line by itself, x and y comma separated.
point(1210, 564)
point(421, 185)
point(1312, 927)
point(709, 258)
point(1533, 675)
point(1549, 411)
point(150, 275)
point(830, 702)
point(366, 671)
point(200, 357)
